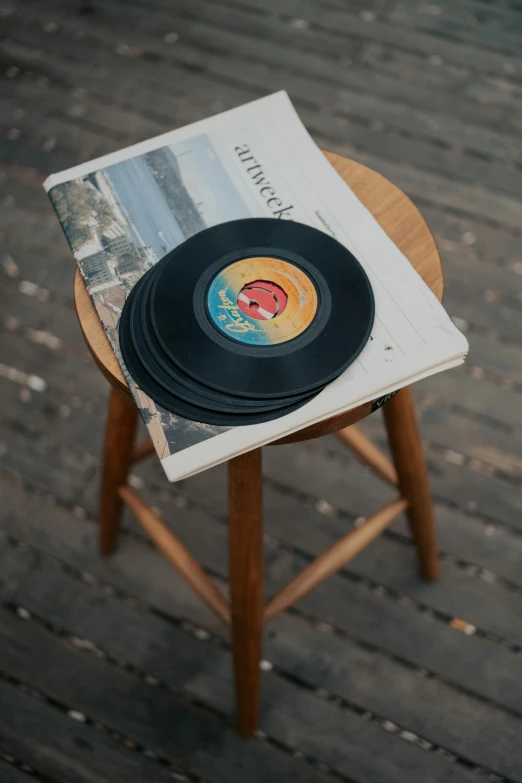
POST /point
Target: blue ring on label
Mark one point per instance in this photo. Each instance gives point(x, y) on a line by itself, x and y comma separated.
point(219, 298)
point(227, 315)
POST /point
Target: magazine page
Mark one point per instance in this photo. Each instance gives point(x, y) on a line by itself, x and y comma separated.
point(125, 211)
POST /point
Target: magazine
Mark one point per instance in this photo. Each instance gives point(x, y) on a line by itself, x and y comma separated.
point(123, 212)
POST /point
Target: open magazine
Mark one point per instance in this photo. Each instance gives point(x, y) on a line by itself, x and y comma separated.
point(123, 212)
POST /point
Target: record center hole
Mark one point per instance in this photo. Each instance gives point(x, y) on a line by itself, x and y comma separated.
point(262, 300)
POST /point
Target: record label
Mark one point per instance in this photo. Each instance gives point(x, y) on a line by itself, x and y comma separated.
point(262, 301)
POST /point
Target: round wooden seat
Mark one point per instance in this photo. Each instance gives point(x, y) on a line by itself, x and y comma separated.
point(397, 215)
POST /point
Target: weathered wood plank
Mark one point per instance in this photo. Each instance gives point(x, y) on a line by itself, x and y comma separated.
point(500, 320)
point(15, 566)
point(331, 17)
point(342, 23)
point(460, 534)
point(71, 60)
point(465, 238)
point(69, 377)
point(498, 358)
point(35, 458)
point(465, 276)
point(238, 18)
point(180, 660)
point(489, 497)
point(26, 181)
point(480, 396)
point(452, 201)
point(140, 571)
point(386, 562)
point(430, 125)
point(429, 188)
point(146, 642)
point(484, 546)
point(281, 718)
point(101, 691)
point(466, 436)
point(353, 489)
point(25, 313)
point(19, 191)
point(69, 751)
point(330, 33)
point(381, 108)
point(456, 27)
point(74, 73)
point(498, 93)
point(10, 774)
point(137, 569)
point(205, 31)
point(75, 425)
point(504, 14)
point(354, 133)
point(111, 123)
point(45, 125)
point(38, 251)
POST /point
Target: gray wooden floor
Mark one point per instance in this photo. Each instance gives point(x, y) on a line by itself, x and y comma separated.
point(111, 671)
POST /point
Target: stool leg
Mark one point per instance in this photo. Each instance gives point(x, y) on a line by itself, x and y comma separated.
point(246, 583)
point(120, 429)
point(408, 456)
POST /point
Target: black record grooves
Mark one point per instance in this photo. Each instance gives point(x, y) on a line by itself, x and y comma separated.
point(178, 310)
point(246, 321)
point(170, 401)
point(172, 377)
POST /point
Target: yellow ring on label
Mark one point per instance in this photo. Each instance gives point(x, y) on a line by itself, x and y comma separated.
point(298, 314)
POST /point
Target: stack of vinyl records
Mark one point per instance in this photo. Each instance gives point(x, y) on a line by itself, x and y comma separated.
point(246, 321)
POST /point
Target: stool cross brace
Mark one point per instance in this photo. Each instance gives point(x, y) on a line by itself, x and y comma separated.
point(322, 567)
point(316, 572)
point(246, 612)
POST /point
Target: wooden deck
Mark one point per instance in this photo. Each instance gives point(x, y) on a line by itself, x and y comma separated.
point(111, 671)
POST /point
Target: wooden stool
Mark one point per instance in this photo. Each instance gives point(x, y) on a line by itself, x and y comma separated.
point(246, 612)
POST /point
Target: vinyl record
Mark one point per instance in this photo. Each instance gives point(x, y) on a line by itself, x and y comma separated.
point(172, 402)
point(172, 377)
point(261, 308)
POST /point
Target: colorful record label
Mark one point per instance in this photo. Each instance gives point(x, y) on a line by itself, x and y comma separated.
point(262, 301)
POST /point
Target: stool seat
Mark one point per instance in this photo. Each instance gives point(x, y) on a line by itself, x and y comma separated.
point(246, 611)
point(396, 214)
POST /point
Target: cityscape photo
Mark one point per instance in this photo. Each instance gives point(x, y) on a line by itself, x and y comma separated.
point(122, 219)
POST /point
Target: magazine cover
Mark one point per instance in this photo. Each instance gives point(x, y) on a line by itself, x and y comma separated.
point(124, 212)
point(121, 219)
